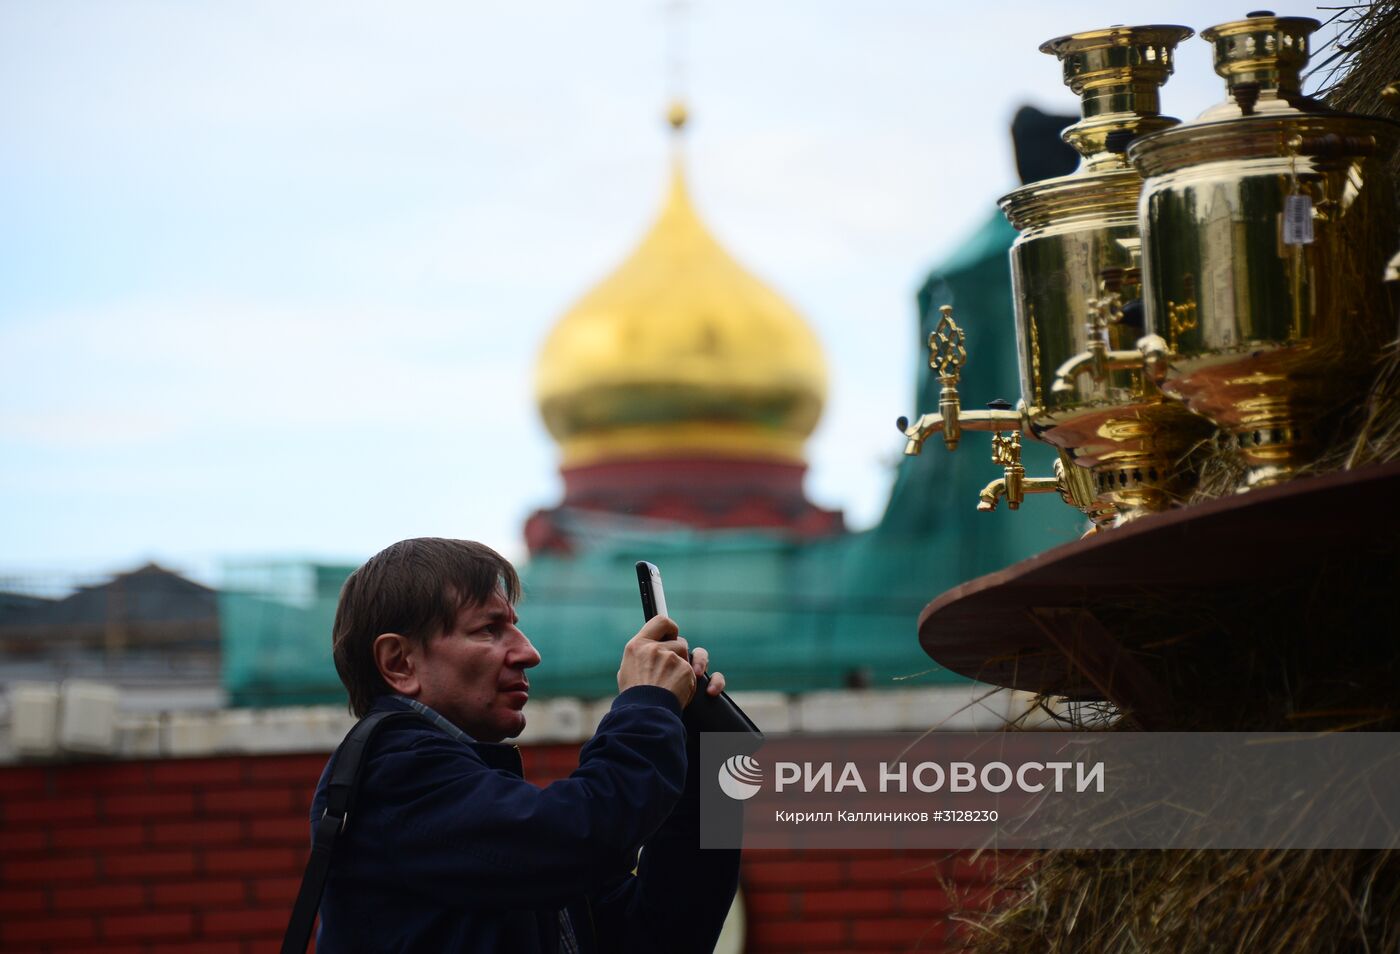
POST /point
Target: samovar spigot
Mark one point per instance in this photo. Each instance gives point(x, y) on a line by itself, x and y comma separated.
point(1013, 484)
point(947, 355)
point(1098, 359)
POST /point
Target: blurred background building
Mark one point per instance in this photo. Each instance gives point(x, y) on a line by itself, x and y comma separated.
point(151, 632)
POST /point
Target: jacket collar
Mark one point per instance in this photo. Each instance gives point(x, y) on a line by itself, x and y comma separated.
point(497, 755)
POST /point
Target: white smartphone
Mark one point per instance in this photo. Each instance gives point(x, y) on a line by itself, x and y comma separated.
point(653, 595)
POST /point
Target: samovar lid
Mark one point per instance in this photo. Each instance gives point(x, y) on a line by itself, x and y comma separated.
point(1261, 58)
point(1266, 115)
point(1117, 36)
point(1117, 72)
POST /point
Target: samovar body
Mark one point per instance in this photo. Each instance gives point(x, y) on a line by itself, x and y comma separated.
point(1267, 224)
point(1077, 284)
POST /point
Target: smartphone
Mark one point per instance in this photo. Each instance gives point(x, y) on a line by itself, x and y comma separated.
point(706, 712)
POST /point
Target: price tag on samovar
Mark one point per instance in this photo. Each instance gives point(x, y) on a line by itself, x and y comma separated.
point(1297, 220)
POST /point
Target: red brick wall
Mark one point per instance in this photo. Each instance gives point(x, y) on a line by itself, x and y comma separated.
point(206, 855)
point(170, 855)
point(860, 900)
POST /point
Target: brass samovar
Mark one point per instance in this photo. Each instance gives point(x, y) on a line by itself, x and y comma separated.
point(1076, 283)
point(1267, 223)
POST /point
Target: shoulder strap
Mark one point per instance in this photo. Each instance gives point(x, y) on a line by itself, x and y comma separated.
point(341, 787)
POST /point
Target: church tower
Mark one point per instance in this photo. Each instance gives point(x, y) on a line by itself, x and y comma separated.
point(681, 389)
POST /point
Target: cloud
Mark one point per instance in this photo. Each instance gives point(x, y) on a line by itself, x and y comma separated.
point(146, 372)
point(85, 428)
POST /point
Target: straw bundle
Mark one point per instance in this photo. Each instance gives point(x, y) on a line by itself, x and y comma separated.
point(1187, 901)
point(1362, 60)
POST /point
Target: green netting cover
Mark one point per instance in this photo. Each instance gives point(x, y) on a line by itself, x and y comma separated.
point(276, 623)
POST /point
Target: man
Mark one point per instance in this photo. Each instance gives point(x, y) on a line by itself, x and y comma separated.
point(449, 848)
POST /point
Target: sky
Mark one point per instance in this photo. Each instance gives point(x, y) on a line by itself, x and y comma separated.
point(273, 276)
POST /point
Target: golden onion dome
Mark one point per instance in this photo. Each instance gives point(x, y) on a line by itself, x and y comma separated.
point(680, 352)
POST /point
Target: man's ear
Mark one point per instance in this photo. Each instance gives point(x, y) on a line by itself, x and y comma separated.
point(397, 663)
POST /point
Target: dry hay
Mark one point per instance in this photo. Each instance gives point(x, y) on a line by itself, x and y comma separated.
point(1197, 901)
point(1188, 901)
point(1362, 60)
point(1375, 436)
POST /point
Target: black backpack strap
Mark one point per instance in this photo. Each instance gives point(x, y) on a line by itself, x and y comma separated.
point(341, 787)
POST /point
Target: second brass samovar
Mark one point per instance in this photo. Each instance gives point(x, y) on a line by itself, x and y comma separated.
point(1077, 284)
point(1267, 224)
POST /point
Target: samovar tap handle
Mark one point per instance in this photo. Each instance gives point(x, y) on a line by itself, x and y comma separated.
point(947, 355)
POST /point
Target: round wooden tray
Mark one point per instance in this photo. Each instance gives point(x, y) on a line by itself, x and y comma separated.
point(1096, 618)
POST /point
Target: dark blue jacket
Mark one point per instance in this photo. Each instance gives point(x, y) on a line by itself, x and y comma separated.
point(450, 849)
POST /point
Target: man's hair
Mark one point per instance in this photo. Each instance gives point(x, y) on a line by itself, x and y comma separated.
point(414, 588)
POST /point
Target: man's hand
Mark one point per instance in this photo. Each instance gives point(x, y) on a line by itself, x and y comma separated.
point(699, 661)
point(658, 656)
point(650, 659)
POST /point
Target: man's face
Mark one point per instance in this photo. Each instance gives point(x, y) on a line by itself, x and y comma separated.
point(474, 674)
